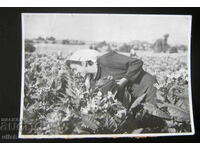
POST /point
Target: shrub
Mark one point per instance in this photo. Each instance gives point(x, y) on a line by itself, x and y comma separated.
point(173, 50)
point(183, 48)
point(29, 47)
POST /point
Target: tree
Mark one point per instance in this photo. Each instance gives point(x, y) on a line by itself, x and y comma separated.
point(183, 48)
point(125, 48)
point(65, 42)
point(40, 38)
point(52, 39)
point(101, 44)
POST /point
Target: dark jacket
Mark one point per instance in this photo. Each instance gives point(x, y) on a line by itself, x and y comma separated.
point(118, 66)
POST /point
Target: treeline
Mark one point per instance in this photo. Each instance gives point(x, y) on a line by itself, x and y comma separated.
point(122, 47)
point(29, 43)
point(160, 45)
point(73, 42)
point(139, 46)
point(53, 40)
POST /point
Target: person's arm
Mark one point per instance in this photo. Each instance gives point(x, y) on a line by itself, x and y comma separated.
point(134, 69)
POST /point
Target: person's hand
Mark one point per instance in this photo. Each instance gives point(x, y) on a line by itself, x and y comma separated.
point(122, 82)
point(87, 82)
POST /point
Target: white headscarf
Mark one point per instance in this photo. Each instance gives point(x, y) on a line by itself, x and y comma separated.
point(83, 55)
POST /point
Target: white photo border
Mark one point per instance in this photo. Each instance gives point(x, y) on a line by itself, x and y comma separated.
point(20, 135)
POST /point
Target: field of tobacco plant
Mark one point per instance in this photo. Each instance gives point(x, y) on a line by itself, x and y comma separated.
point(56, 101)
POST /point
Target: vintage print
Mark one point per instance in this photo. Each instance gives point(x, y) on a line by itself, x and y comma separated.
point(105, 75)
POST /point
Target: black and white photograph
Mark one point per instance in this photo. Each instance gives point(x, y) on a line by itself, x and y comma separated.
point(105, 75)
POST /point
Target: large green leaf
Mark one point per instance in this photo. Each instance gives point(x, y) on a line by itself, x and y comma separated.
point(153, 110)
point(111, 123)
point(138, 101)
point(178, 113)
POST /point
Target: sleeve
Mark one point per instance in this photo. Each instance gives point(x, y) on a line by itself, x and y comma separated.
point(134, 68)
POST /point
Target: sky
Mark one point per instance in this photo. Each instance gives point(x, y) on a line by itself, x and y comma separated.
point(109, 27)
